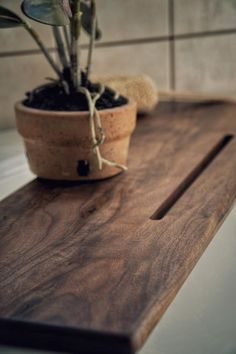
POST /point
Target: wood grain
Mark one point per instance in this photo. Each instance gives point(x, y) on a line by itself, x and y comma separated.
point(83, 268)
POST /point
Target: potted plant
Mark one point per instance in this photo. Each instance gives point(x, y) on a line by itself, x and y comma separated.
point(73, 129)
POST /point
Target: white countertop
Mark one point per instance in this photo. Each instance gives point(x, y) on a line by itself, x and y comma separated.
point(202, 318)
point(14, 171)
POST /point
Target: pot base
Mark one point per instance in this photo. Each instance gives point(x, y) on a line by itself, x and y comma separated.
point(73, 163)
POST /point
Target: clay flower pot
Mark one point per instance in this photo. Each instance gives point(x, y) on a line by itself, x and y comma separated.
point(59, 145)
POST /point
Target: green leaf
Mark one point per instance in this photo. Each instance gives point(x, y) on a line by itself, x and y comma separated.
point(49, 12)
point(8, 18)
point(86, 20)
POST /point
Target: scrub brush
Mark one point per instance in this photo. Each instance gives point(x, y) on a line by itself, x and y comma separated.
point(142, 89)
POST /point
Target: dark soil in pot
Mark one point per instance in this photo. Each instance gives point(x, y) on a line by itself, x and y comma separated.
point(52, 97)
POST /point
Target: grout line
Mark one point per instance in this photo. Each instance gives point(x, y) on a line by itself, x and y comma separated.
point(183, 36)
point(165, 38)
point(171, 37)
point(24, 52)
point(171, 22)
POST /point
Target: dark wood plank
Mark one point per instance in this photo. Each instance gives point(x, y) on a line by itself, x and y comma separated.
point(85, 268)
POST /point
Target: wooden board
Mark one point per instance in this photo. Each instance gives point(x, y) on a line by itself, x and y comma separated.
point(91, 268)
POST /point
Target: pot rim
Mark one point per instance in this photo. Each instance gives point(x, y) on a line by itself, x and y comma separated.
point(21, 107)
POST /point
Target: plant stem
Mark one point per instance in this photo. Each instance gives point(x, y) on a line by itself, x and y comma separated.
point(36, 37)
point(60, 47)
point(75, 33)
point(92, 38)
point(67, 39)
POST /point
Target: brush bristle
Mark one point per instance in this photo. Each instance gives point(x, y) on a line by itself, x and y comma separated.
point(140, 88)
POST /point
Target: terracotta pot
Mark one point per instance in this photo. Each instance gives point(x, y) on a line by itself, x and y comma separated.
point(59, 146)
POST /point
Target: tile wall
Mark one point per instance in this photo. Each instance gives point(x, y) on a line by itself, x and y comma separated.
point(182, 44)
